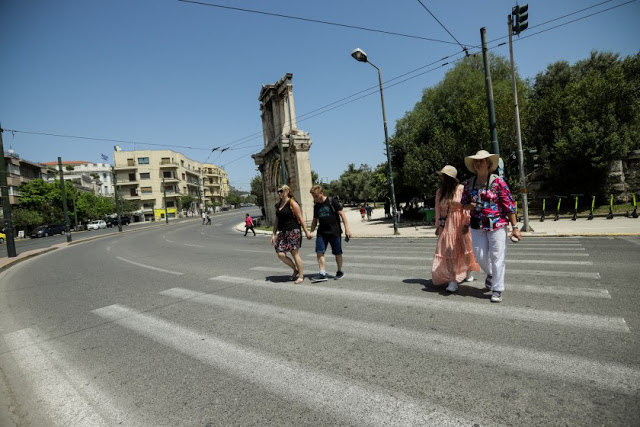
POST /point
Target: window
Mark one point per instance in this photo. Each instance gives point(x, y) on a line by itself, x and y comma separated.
point(184, 177)
point(104, 176)
point(143, 160)
point(147, 205)
point(170, 204)
point(132, 177)
point(146, 190)
point(145, 175)
point(165, 161)
point(167, 175)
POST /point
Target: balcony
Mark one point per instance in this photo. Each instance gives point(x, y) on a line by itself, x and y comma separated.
point(130, 197)
point(171, 180)
point(147, 196)
point(131, 166)
point(168, 165)
point(193, 184)
point(124, 182)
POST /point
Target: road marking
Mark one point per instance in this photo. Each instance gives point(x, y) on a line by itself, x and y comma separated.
point(511, 250)
point(257, 251)
point(536, 289)
point(426, 267)
point(70, 399)
point(424, 259)
point(357, 403)
point(195, 246)
point(611, 376)
point(588, 321)
point(177, 273)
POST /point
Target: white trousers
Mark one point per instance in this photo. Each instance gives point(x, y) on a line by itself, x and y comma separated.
point(490, 250)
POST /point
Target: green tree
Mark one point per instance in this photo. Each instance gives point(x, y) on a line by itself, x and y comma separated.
point(583, 116)
point(257, 189)
point(234, 196)
point(451, 122)
point(26, 219)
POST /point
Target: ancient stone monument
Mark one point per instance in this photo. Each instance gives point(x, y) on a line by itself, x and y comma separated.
point(286, 149)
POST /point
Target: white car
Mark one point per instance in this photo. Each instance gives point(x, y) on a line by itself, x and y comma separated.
point(96, 225)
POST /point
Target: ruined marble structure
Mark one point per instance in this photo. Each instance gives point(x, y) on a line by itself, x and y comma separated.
point(281, 135)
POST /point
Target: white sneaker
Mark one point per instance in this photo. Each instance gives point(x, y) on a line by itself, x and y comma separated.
point(453, 286)
point(469, 278)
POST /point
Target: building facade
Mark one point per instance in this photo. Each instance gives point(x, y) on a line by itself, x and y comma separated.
point(146, 177)
point(18, 171)
point(86, 176)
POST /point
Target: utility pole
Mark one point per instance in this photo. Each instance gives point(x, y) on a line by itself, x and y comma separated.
point(164, 196)
point(521, 24)
point(115, 194)
point(6, 204)
point(488, 85)
point(63, 190)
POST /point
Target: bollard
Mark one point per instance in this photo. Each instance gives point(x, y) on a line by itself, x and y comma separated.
point(575, 210)
point(610, 216)
point(593, 202)
point(634, 214)
point(544, 201)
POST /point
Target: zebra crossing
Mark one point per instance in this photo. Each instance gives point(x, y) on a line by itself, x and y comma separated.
point(362, 312)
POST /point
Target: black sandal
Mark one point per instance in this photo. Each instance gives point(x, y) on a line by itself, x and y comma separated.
point(294, 276)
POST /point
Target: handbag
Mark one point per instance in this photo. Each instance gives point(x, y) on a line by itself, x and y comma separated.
point(476, 223)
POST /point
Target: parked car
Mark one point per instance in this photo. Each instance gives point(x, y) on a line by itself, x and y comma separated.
point(113, 222)
point(96, 225)
point(48, 230)
point(3, 237)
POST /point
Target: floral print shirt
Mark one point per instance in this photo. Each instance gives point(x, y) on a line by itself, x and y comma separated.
point(496, 201)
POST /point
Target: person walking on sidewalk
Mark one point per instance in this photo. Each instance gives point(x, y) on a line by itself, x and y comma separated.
point(326, 215)
point(492, 208)
point(363, 211)
point(369, 209)
point(289, 237)
point(248, 225)
point(204, 218)
point(453, 260)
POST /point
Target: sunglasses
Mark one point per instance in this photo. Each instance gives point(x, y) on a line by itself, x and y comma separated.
point(280, 191)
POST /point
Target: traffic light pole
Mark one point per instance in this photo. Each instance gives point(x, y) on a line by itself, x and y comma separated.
point(523, 184)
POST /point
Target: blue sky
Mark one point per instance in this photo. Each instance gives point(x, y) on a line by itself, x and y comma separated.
point(182, 75)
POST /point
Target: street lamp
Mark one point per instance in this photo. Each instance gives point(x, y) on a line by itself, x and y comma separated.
point(359, 55)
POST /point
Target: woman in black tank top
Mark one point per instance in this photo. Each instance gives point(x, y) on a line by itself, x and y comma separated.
point(287, 236)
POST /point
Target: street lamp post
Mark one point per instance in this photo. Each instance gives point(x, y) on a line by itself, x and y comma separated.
point(359, 55)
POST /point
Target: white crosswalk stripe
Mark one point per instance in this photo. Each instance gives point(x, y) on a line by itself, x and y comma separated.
point(356, 402)
point(609, 376)
point(611, 324)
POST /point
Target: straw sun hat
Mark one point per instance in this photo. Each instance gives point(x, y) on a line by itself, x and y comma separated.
point(449, 171)
point(482, 154)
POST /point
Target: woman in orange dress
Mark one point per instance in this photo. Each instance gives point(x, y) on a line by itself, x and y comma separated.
point(453, 260)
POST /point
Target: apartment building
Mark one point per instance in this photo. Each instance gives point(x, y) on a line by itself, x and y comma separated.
point(87, 176)
point(145, 176)
point(18, 171)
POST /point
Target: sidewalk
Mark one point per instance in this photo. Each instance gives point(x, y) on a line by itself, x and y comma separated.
point(379, 227)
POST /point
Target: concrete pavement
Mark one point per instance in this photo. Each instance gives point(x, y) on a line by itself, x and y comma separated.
point(598, 226)
point(381, 227)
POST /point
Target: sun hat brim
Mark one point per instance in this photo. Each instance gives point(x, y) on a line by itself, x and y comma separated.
point(482, 154)
point(449, 171)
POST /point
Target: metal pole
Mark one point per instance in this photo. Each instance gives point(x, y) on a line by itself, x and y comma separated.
point(495, 146)
point(523, 184)
point(386, 141)
point(63, 190)
point(115, 193)
point(164, 195)
point(6, 204)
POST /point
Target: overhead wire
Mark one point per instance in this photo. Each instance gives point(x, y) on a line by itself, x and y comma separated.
point(316, 21)
point(343, 101)
point(464, 48)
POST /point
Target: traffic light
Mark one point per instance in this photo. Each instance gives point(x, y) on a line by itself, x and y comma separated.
point(532, 159)
point(520, 17)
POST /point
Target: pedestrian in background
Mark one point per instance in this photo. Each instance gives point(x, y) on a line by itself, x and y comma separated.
point(248, 225)
point(208, 218)
point(492, 208)
point(369, 209)
point(289, 237)
point(453, 260)
point(204, 218)
point(363, 211)
point(387, 209)
point(327, 213)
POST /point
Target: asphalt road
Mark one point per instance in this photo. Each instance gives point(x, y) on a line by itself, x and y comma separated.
point(191, 325)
